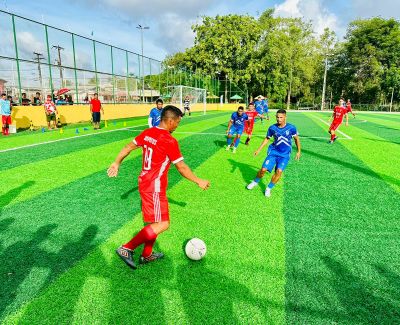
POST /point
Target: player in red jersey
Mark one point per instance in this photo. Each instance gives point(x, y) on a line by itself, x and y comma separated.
point(338, 113)
point(348, 107)
point(252, 114)
point(159, 150)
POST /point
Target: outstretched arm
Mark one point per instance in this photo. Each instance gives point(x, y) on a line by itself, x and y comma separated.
point(297, 142)
point(347, 119)
point(113, 169)
point(263, 144)
point(186, 172)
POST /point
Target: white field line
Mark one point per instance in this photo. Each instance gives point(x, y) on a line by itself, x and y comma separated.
point(69, 138)
point(224, 134)
point(342, 133)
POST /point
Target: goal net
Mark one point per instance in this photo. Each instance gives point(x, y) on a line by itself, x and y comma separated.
point(196, 97)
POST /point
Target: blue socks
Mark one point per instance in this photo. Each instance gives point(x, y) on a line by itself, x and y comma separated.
point(229, 141)
point(271, 185)
point(237, 142)
point(257, 180)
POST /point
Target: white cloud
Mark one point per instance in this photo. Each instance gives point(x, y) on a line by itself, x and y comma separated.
point(310, 10)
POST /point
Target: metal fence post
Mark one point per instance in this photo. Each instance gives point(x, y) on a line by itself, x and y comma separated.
point(16, 56)
point(75, 73)
point(49, 62)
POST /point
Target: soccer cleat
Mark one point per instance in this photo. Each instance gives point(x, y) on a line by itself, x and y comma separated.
point(127, 256)
point(151, 258)
point(228, 147)
point(267, 192)
point(334, 139)
point(234, 150)
point(252, 185)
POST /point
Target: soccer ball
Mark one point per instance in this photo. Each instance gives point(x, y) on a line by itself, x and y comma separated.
point(195, 249)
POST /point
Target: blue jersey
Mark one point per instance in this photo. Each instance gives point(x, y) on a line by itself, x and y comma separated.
point(155, 115)
point(5, 107)
point(238, 121)
point(261, 106)
point(282, 145)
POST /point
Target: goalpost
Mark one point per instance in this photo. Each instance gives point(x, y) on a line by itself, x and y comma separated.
point(178, 94)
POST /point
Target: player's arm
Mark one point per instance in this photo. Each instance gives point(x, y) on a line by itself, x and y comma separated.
point(186, 172)
point(263, 144)
point(113, 169)
point(297, 142)
point(150, 120)
point(90, 107)
point(332, 116)
point(229, 125)
point(347, 119)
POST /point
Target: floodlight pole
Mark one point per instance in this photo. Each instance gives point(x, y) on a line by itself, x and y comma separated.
point(141, 34)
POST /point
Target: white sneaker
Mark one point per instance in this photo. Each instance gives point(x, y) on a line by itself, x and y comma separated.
point(252, 185)
point(227, 148)
point(234, 150)
point(267, 192)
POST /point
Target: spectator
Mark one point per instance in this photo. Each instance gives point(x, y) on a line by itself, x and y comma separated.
point(70, 100)
point(51, 111)
point(25, 101)
point(5, 111)
point(11, 101)
point(60, 100)
point(86, 99)
point(95, 107)
point(37, 100)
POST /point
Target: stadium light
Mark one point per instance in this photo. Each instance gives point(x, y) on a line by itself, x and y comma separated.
point(141, 34)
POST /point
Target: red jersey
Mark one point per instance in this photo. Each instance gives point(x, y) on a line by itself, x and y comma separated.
point(339, 112)
point(96, 105)
point(252, 115)
point(159, 150)
point(348, 106)
point(50, 107)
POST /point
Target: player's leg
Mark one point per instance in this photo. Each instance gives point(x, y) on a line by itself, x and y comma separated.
point(267, 166)
point(8, 122)
point(237, 140)
point(332, 130)
point(155, 213)
point(281, 163)
point(3, 125)
point(231, 132)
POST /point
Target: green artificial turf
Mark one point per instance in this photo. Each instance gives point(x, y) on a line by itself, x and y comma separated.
point(322, 249)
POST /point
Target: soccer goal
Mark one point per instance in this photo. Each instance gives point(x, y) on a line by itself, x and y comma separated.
point(196, 96)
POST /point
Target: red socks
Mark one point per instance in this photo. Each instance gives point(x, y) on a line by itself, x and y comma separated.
point(147, 236)
point(148, 248)
point(332, 137)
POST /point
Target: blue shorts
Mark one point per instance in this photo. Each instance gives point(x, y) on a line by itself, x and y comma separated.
point(275, 161)
point(235, 130)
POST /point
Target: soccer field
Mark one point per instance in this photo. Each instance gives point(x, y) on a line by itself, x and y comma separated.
point(323, 249)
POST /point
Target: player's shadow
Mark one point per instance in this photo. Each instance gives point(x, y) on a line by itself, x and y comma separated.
point(128, 193)
point(221, 297)
point(7, 198)
point(248, 172)
point(179, 203)
point(23, 257)
point(356, 168)
point(219, 143)
point(362, 302)
point(379, 140)
point(4, 225)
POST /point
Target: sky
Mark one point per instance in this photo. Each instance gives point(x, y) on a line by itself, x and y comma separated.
point(114, 21)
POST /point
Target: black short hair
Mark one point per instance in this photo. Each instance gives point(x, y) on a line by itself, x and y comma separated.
point(96, 94)
point(3, 94)
point(159, 100)
point(171, 111)
point(241, 107)
point(281, 111)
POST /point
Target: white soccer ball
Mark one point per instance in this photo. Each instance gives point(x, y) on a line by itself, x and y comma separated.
point(195, 249)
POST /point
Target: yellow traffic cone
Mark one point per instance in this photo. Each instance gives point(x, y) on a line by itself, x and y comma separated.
point(31, 126)
point(61, 131)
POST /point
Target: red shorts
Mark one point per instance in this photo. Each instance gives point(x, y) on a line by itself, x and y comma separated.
point(249, 130)
point(154, 207)
point(6, 120)
point(335, 125)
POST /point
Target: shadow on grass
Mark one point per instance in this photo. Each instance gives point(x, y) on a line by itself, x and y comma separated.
point(378, 140)
point(356, 168)
point(7, 198)
point(248, 172)
point(22, 258)
point(220, 143)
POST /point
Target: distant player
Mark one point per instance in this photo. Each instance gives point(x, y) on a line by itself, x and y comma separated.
point(338, 113)
point(249, 126)
point(266, 108)
point(5, 112)
point(155, 114)
point(349, 109)
point(259, 105)
point(51, 111)
point(236, 126)
point(95, 108)
point(160, 149)
point(186, 105)
point(278, 153)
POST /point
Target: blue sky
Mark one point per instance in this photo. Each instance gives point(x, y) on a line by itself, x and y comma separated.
point(115, 21)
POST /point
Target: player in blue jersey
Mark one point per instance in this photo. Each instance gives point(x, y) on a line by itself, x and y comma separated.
point(155, 113)
point(236, 126)
point(261, 105)
point(266, 109)
point(278, 154)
